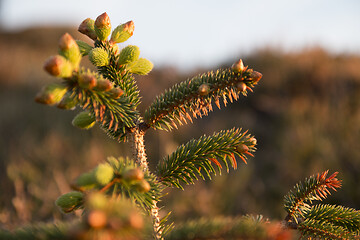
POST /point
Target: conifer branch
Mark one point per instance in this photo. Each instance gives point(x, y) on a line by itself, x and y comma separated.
point(193, 98)
point(346, 218)
point(198, 157)
point(296, 202)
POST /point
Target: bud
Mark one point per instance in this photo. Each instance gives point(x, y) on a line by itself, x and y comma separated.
point(84, 47)
point(97, 200)
point(238, 66)
point(70, 201)
point(116, 93)
point(84, 120)
point(256, 76)
point(70, 50)
point(97, 219)
point(129, 54)
point(134, 174)
point(104, 173)
point(67, 102)
point(51, 94)
point(99, 57)
point(86, 180)
point(204, 89)
point(102, 26)
point(123, 32)
point(141, 67)
point(142, 186)
point(87, 81)
point(253, 141)
point(242, 148)
point(241, 86)
point(103, 85)
point(87, 28)
point(58, 66)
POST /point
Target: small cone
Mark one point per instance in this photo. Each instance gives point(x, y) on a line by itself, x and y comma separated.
point(87, 28)
point(102, 26)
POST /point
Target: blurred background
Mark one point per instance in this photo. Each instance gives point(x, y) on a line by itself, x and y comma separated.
point(305, 112)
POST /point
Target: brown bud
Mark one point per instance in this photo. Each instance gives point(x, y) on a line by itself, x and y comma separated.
point(58, 66)
point(256, 76)
point(143, 186)
point(102, 21)
point(241, 86)
point(116, 93)
point(97, 219)
point(204, 89)
point(104, 85)
point(87, 81)
point(87, 28)
point(66, 42)
point(242, 148)
point(253, 140)
point(238, 66)
point(134, 174)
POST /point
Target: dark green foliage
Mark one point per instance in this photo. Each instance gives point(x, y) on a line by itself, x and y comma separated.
point(196, 158)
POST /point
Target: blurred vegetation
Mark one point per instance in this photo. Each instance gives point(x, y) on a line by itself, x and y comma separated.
point(305, 114)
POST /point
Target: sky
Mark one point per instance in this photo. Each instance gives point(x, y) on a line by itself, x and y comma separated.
point(203, 33)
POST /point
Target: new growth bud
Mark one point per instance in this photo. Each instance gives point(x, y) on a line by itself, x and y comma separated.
point(142, 186)
point(70, 201)
point(253, 141)
point(104, 174)
point(256, 76)
point(204, 89)
point(238, 66)
point(84, 120)
point(104, 85)
point(129, 54)
point(67, 102)
point(116, 93)
point(87, 81)
point(242, 148)
point(102, 26)
point(51, 94)
point(99, 57)
point(134, 174)
point(123, 32)
point(241, 86)
point(87, 28)
point(58, 66)
point(69, 49)
point(141, 67)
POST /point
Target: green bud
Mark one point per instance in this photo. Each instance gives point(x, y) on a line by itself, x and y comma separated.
point(58, 66)
point(87, 81)
point(87, 28)
point(70, 50)
point(97, 201)
point(123, 32)
point(102, 26)
point(142, 186)
point(84, 120)
point(86, 180)
point(104, 173)
point(84, 47)
point(99, 57)
point(129, 54)
point(51, 94)
point(141, 66)
point(70, 201)
point(67, 102)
